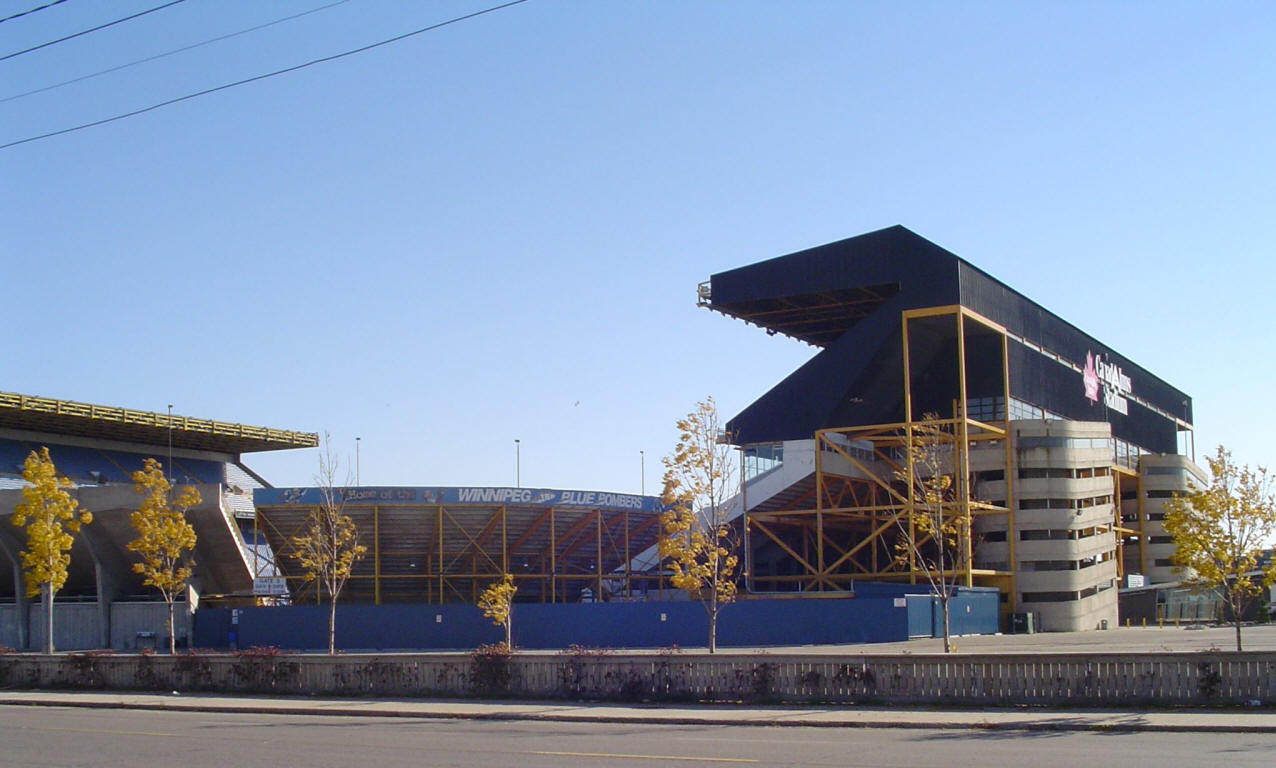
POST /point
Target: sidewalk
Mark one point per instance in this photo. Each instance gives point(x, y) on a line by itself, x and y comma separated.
point(1236, 721)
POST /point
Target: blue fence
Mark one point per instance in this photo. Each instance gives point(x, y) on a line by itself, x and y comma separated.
point(972, 611)
point(873, 618)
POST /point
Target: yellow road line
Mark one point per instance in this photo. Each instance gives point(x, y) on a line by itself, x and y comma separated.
point(650, 757)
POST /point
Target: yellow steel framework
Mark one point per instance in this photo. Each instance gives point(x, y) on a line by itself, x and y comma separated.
point(447, 553)
point(850, 524)
point(1129, 525)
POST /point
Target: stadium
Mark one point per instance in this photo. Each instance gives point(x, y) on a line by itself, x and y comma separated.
point(1063, 452)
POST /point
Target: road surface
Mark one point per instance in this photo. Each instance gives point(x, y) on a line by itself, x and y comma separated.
point(56, 736)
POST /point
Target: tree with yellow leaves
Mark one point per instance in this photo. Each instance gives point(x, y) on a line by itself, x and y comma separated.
point(164, 537)
point(328, 545)
point(696, 538)
point(1220, 530)
point(497, 602)
point(930, 525)
point(50, 516)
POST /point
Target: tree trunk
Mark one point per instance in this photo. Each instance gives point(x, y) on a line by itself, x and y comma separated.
point(509, 633)
point(943, 609)
point(1236, 618)
point(713, 629)
point(332, 627)
point(46, 595)
point(172, 631)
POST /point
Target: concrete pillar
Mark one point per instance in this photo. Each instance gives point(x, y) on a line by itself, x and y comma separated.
point(109, 568)
point(10, 546)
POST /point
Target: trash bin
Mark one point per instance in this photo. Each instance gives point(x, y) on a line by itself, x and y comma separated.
point(1103, 624)
point(146, 640)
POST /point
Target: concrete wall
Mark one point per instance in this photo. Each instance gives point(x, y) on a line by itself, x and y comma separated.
point(1091, 539)
point(1090, 679)
point(9, 626)
point(77, 626)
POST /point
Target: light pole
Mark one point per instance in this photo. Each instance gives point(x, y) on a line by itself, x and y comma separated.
point(170, 444)
point(642, 473)
point(518, 464)
point(357, 483)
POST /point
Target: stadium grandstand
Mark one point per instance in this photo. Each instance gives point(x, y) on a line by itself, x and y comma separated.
point(98, 448)
point(444, 545)
point(1062, 451)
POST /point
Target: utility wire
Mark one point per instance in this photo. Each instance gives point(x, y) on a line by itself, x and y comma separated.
point(33, 10)
point(170, 53)
point(95, 29)
point(267, 75)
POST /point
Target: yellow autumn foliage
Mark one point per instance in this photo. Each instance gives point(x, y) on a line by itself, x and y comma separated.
point(1219, 532)
point(50, 516)
point(496, 602)
point(164, 537)
point(696, 542)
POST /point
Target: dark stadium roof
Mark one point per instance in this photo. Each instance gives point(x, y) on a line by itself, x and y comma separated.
point(67, 417)
point(847, 297)
point(819, 294)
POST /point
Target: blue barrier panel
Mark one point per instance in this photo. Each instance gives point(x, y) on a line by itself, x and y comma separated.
point(211, 628)
point(971, 611)
point(747, 623)
point(610, 625)
point(923, 616)
point(974, 611)
point(812, 621)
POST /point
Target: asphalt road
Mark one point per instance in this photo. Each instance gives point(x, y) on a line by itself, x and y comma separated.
point(55, 736)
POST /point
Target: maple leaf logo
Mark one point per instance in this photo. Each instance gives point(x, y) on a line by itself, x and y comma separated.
point(1090, 378)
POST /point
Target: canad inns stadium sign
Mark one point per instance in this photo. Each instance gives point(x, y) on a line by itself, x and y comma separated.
point(1115, 383)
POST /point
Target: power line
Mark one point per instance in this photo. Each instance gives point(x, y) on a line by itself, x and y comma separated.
point(170, 53)
point(33, 10)
point(265, 76)
point(95, 29)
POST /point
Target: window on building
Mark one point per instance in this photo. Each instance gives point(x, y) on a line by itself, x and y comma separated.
point(1048, 565)
point(986, 408)
point(762, 458)
point(1049, 597)
point(1032, 473)
point(1047, 534)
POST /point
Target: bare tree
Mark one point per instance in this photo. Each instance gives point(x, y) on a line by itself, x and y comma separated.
point(695, 537)
point(930, 524)
point(328, 546)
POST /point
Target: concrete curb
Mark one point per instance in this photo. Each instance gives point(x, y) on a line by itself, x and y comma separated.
point(987, 721)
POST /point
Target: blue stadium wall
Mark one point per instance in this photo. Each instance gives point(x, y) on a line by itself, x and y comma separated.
point(880, 613)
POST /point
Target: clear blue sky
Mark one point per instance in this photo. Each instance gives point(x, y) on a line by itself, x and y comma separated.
point(495, 230)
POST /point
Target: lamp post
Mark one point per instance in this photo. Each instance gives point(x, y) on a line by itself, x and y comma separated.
point(357, 482)
point(518, 464)
point(642, 473)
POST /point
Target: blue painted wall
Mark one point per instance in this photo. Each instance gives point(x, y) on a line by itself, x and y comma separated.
point(795, 621)
point(971, 611)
